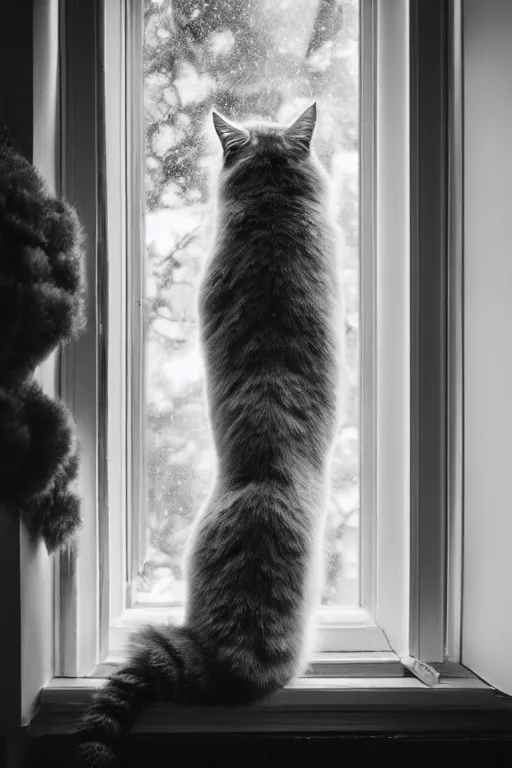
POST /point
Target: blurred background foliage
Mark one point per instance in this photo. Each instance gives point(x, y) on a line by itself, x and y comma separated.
point(250, 59)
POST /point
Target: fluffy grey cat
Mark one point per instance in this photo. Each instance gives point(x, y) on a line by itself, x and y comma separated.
point(271, 329)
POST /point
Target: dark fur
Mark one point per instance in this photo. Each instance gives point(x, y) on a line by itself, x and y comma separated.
point(41, 279)
point(42, 294)
point(42, 431)
point(269, 319)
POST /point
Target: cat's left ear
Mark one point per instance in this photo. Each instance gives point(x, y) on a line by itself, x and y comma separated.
point(301, 131)
point(231, 136)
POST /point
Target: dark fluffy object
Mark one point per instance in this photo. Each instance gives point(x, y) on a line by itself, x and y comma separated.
point(38, 461)
point(41, 277)
point(42, 303)
point(14, 436)
point(56, 515)
point(42, 431)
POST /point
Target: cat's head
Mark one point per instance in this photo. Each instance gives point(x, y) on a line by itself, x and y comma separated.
point(253, 138)
point(268, 150)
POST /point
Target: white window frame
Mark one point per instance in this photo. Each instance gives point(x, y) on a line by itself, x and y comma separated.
point(338, 697)
point(350, 630)
point(343, 630)
point(389, 623)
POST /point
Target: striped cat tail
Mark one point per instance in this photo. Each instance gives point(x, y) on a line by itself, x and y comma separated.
point(165, 663)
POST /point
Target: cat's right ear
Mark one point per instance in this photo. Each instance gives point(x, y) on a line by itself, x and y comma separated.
point(301, 131)
point(232, 137)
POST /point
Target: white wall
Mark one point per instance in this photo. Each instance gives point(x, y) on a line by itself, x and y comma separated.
point(36, 567)
point(487, 586)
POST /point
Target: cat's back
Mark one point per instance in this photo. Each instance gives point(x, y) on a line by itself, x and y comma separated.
point(269, 303)
point(274, 262)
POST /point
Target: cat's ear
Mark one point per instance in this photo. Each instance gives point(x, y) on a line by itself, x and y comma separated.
point(231, 136)
point(302, 129)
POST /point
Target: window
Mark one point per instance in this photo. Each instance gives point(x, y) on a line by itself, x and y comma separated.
point(180, 60)
point(266, 61)
point(388, 82)
point(434, 286)
point(165, 66)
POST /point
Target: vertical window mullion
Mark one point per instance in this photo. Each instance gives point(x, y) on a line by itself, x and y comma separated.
point(367, 191)
point(392, 287)
point(103, 330)
point(114, 581)
point(428, 142)
point(81, 376)
point(455, 415)
point(136, 375)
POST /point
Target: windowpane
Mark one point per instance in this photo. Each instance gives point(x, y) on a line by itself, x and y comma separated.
point(260, 59)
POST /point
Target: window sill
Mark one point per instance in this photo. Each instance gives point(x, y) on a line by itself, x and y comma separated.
point(340, 630)
point(314, 705)
point(324, 665)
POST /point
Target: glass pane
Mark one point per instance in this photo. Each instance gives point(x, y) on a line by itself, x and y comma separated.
point(260, 59)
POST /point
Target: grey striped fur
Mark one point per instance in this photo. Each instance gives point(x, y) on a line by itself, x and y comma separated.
point(271, 330)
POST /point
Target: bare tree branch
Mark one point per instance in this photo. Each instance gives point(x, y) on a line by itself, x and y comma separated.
point(328, 22)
